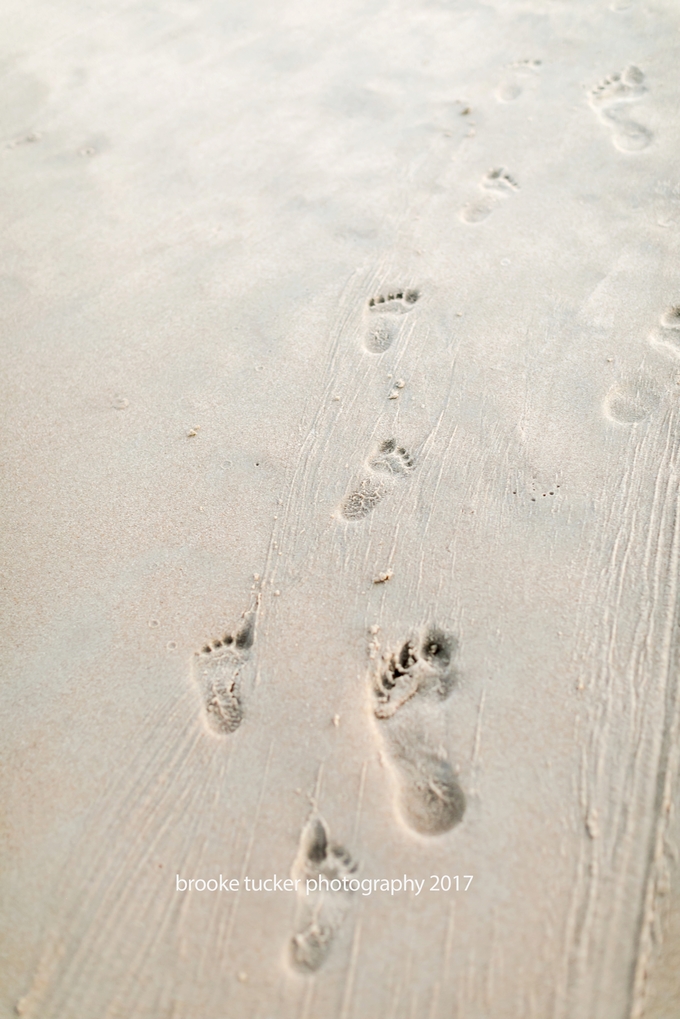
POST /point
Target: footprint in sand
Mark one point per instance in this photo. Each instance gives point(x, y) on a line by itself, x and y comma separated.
point(383, 314)
point(666, 337)
point(516, 79)
point(612, 100)
point(631, 400)
point(218, 672)
point(495, 186)
point(382, 471)
point(324, 868)
point(408, 687)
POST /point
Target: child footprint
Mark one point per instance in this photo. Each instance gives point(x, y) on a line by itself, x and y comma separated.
point(612, 99)
point(516, 77)
point(383, 313)
point(495, 186)
point(383, 469)
point(323, 871)
point(667, 336)
point(218, 671)
point(407, 687)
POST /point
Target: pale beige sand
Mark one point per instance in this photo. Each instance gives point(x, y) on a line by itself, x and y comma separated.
point(209, 429)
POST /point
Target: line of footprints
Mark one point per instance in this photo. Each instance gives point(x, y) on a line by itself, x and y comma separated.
point(408, 683)
point(406, 686)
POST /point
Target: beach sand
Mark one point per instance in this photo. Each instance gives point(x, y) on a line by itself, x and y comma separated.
point(341, 490)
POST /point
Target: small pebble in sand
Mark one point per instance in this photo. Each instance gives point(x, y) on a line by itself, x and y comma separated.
point(192, 432)
point(382, 578)
point(336, 720)
point(120, 403)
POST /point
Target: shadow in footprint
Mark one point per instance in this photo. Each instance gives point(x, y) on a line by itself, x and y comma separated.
point(218, 669)
point(322, 869)
point(407, 686)
point(383, 469)
point(495, 185)
point(383, 312)
point(612, 99)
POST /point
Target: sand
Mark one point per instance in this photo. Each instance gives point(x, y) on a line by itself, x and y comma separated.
point(341, 491)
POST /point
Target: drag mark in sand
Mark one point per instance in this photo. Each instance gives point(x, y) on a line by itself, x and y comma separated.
point(319, 862)
point(217, 671)
point(407, 688)
point(611, 100)
point(382, 470)
point(383, 312)
point(496, 185)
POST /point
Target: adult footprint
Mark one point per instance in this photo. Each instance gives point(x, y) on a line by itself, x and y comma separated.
point(323, 870)
point(218, 671)
point(383, 314)
point(495, 186)
point(515, 80)
point(407, 688)
point(631, 401)
point(667, 336)
point(612, 100)
point(382, 471)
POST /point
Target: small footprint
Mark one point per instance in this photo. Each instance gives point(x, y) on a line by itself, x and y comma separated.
point(667, 336)
point(327, 867)
point(385, 467)
point(218, 672)
point(407, 687)
point(612, 99)
point(629, 402)
point(515, 80)
point(495, 185)
point(383, 312)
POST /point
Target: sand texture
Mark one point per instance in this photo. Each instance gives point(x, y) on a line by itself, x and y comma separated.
point(341, 500)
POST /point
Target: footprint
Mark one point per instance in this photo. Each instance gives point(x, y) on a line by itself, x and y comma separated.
point(407, 687)
point(667, 336)
point(515, 80)
point(383, 312)
point(385, 467)
point(631, 401)
point(319, 866)
point(611, 100)
point(218, 672)
point(495, 185)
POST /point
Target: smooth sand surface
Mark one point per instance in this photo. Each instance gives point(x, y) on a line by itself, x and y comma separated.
point(341, 499)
